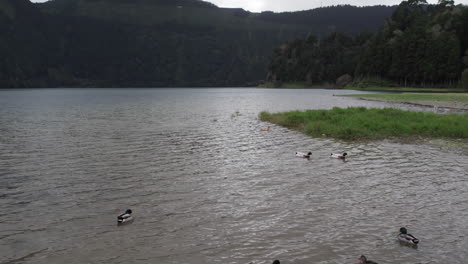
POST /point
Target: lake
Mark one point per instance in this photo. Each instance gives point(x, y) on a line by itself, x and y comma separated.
point(207, 186)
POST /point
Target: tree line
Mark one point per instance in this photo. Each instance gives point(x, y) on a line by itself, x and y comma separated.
point(420, 45)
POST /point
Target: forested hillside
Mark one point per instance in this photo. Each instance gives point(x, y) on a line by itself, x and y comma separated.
point(152, 43)
point(345, 18)
point(316, 60)
point(420, 45)
point(23, 44)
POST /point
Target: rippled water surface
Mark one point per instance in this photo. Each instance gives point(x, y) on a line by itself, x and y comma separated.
point(207, 186)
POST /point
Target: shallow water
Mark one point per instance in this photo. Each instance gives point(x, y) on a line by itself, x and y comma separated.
point(207, 186)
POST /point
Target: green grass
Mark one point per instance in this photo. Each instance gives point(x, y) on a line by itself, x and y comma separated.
point(360, 123)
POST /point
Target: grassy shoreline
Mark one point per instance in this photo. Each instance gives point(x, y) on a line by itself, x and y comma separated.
point(360, 123)
point(303, 85)
point(449, 100)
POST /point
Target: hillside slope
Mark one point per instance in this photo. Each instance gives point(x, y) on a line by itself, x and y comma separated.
point(144, 43)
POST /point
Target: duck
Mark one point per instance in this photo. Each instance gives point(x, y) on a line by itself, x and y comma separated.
point(363, 260)
point(125, 217)
point(303, 155)
point(265, 128)
point(276, 261)
point(407, 238)
point(338, 156)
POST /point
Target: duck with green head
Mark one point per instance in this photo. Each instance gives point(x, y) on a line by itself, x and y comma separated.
point(407, 238)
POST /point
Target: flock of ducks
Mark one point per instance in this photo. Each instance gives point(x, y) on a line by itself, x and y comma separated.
point(362, 260)
point(403, 236)
point(309, 154)
point(332, 155)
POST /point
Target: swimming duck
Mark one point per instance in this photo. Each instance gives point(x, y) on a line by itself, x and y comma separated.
point(265, 128)
point(276, 262)
point(303, 155)
point(363, 260)
point(125, 217)
point(407, 238)
point(338, 156)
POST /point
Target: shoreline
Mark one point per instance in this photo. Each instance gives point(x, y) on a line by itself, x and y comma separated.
point(361, 123)
point(397, 89)
point(446, 102)
point(436, 105)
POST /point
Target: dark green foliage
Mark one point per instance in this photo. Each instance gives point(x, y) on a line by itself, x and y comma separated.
point(22, 44)
point(420, 46)
point(362, 123)
point(465, 59)
point(152, 43)
point(324, 19)
point(464, 79)
point(315, 60)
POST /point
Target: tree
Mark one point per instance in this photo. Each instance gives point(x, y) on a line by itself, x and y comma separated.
point(445, 3)
point(417, 2)
point(425, 43)
point(464, 79)
point(465, 58)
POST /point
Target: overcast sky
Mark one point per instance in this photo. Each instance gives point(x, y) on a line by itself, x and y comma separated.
point(295, 5)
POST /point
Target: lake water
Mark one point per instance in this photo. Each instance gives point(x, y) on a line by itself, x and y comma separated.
point(207, 186)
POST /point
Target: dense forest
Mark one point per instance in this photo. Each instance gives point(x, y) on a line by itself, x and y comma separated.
point(420, 45)
point(155, 43)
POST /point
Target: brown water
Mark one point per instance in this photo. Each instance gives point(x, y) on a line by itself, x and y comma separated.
point(207, 186)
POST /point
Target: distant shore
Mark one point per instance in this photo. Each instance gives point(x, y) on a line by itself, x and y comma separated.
point(292, 85)
point(303, 85)
point(442, 100)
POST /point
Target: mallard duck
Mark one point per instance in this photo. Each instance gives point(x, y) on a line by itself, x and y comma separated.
point(363, 260)
point(407, 238)
point(125, 217)
point(265, 128)
point(303, 155)
point(338, 156)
